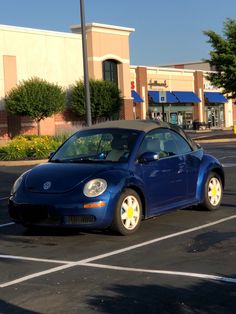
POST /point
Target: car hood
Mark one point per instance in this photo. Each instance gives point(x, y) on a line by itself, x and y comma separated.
point(60, 178)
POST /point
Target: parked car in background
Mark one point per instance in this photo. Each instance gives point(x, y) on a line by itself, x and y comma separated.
point(114, 174)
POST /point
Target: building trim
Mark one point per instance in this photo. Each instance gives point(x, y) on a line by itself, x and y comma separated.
point(38, 31)
point(171, 70)
point(109, 56)
point(104, 28)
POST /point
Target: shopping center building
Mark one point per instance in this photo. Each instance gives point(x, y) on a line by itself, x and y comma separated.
point(177, 93)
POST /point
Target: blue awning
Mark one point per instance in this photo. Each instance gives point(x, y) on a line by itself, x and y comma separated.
point(215, 97)
point(187, 97)
point(170, 98)
point(136, 96)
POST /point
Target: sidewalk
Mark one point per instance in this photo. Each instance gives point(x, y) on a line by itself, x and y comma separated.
point(16, 163)
point(213, 136)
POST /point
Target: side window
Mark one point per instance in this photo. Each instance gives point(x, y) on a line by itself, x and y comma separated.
point(151, 143)
point(169, 145)
point(182, 144)
point(175, 144)
point(164, 142)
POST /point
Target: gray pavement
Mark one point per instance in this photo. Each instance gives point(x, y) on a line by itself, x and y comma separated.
point(180, 262)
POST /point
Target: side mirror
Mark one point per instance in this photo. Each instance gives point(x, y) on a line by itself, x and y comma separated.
point(50, 155)
point(148, 157)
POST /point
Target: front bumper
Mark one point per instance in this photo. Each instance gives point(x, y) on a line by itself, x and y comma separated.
point(53, 211)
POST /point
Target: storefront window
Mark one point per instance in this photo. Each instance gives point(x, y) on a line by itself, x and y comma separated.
point(181, 115)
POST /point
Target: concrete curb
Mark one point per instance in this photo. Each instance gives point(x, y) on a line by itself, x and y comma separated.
point(22, 163)
point(216, 140)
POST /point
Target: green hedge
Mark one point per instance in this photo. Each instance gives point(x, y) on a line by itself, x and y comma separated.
point(30, 147)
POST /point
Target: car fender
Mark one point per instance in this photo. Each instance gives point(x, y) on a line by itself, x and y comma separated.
point(120, 179)
point(208, 164)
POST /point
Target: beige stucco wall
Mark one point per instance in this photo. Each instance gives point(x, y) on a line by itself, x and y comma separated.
point(133, 75)
point(108, 42)
point(176, 80)
point(56, 57)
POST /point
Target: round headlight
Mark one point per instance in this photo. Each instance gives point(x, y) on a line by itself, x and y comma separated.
point(16, 185)
point(95, 187)
point(18, 182)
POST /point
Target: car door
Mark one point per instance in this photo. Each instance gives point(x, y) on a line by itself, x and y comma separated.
point(192, 159)
point(164, 179)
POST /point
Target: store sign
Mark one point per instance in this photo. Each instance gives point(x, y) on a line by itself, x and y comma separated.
point(132, 85)
point(156, 83)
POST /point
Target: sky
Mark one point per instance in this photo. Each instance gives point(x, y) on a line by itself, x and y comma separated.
point(166, 31)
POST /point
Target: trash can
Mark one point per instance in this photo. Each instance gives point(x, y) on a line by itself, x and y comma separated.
point(234, 128)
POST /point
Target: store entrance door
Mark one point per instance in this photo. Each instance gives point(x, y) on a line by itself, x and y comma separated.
point(216, 116)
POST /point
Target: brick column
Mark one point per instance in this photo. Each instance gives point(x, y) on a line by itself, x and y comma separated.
point(199, 90)
point(127, 110)
point(3, 125)
point(234, 110)
point(141, 88)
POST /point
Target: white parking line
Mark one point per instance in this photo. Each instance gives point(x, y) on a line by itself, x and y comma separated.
point(226, 157)
point(4, 198)
point(165, 272)
point(86, 262)
point(129, 248)
point(44, 260)
point(229, 165)
point(42, 273)
point(7, 224)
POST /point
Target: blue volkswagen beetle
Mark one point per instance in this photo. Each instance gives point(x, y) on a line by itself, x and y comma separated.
point(115, 174)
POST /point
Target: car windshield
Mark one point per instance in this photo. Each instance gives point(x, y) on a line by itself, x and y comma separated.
point(99, 145)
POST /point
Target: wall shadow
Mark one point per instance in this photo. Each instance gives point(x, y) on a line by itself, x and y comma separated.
point(204, 297)
point(8, 308)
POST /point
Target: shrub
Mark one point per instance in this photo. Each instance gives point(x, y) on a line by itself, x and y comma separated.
point(30, 147)
point(104, 96)
point(35, 98)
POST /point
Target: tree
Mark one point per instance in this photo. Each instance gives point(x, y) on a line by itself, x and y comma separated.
point(35, 98)
point(223, 57)
point(105, 99)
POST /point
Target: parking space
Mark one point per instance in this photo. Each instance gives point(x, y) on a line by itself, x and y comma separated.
point(173, 264)
point(186, 243)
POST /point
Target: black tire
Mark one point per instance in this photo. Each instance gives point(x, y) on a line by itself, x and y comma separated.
point(128, 213)
point(213, 192)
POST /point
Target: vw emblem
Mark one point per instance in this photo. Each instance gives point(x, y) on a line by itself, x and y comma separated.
point(47, 185)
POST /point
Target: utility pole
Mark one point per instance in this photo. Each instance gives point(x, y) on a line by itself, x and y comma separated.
point(85, 64)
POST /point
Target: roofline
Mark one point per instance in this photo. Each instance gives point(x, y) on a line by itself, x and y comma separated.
point(105, 26)
point(164, 69)
point(181, 63)
point(170, 69)
point(37, 31)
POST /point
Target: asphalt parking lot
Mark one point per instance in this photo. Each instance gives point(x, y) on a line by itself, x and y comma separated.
point(180, 262)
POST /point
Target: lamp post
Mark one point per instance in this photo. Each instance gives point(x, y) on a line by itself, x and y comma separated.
point(85, 64)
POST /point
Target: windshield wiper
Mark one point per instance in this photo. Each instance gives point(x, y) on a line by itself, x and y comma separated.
point(56, 160)
point(79, 160)
point(85, 160)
